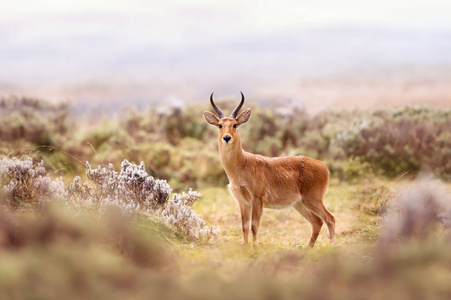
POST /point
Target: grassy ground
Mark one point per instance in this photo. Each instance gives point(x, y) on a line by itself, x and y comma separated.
point(283, 231)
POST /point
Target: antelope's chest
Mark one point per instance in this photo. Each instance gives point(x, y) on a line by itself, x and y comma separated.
point(241, 193)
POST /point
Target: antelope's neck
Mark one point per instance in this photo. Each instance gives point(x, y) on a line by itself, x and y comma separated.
point(232, 159)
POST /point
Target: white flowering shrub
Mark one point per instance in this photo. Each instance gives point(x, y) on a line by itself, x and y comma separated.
point(179, 214)
point(130, 192)
point(78, 192)
point(133, 190)
point(150, 193)
point(26, 182)
point(190, 198)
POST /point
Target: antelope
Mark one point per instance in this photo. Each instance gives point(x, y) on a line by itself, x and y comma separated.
point(258, 182)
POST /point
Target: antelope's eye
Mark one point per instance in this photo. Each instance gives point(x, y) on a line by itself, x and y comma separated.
point(234, 125)
point(220, 126)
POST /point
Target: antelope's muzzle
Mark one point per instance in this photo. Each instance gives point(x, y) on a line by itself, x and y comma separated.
point(227, 138)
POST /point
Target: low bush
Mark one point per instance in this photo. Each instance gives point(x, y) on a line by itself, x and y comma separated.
point(416, 211)
point(132, 192)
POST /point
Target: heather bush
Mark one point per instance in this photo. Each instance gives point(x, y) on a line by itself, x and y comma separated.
point(179, 213)
point(131, 192)
point(26, 183)
point(416, 211)
point(32, 120)
point(401, 140)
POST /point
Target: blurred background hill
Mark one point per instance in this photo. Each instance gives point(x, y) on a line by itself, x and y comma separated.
point(323, 54)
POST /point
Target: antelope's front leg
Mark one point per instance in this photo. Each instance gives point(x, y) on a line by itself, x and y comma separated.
point(257, 211)
point(245, 220)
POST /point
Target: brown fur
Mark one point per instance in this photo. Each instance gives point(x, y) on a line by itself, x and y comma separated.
point(274, 182)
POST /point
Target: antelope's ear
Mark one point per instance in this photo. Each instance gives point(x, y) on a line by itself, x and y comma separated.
point(244, 116)
point(211, 118)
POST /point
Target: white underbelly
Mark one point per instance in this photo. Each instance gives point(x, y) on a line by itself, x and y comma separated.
point(275, 206)
point(282, 203)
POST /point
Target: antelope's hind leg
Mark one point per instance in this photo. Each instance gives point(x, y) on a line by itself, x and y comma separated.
point(315, 221)
point(315, 205)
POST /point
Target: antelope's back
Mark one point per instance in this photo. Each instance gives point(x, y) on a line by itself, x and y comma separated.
point(294, 172)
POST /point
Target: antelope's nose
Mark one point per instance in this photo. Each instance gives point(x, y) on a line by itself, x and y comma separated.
point(227, 138)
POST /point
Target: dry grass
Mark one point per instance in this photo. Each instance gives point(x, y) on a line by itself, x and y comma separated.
point(287, 229)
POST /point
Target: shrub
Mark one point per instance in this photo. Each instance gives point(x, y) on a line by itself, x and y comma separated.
point(133, 190)
point(130, 189)
point(130, 192)
point(26, 183)
point(32, 120)
point(180, 214)
point(401, 140)
point(416, 211)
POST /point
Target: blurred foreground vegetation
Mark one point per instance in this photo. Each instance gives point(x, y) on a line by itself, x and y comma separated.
point(176, 143)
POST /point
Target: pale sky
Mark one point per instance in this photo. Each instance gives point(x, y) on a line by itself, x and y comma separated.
point(57, 39)
point(178, 22)
point(258, 15)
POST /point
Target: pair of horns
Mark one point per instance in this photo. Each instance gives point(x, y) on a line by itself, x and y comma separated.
point(234, 112)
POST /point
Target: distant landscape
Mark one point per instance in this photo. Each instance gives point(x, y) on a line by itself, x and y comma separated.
point(319, 67)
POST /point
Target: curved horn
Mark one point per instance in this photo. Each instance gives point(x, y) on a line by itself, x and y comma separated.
point(217, 109)
point(237, 109)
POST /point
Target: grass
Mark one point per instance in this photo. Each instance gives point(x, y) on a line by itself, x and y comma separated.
point(282, 233)
point(286, 228)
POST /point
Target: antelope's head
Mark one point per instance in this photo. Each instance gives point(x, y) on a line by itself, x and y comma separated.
point(228, 127)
